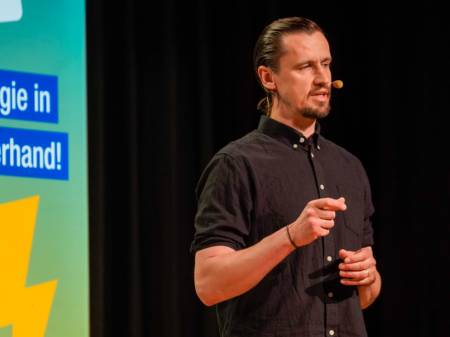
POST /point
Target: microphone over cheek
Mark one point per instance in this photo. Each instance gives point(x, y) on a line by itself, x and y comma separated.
point(338, 84)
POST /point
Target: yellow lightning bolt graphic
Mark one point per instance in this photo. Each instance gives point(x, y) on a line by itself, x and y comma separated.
point(25, 308)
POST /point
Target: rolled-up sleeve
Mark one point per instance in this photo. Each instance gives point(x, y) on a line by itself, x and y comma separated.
point(224, 205)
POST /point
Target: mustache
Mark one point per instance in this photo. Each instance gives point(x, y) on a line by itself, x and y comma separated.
point(320, 91)
point(326, 88)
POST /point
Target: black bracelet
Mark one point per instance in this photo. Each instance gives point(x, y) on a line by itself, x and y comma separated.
point(290, 238)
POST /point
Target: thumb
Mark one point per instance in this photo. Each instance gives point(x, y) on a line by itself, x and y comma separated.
point(344, 253)
point(342, 200)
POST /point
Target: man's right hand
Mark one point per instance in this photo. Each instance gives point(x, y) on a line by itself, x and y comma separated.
point(222, 273)
point(316, 220)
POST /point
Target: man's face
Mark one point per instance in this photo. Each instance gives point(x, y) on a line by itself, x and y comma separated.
point(303, 77)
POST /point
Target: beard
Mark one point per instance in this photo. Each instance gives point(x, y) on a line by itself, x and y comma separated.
point(316, 113)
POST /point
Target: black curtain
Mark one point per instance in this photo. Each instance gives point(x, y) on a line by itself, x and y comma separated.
point(171, 82)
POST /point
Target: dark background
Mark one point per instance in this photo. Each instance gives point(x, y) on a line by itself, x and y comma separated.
point(171, 82)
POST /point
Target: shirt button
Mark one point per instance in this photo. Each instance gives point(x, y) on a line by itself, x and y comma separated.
point(331, 332)
point(329, 258)
point(318, 147)
point(295, 146)
point(312, 155)
point(302, 140)
point(330, 294)
point(322, 187)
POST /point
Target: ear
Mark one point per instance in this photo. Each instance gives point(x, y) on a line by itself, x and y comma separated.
point(266, 77)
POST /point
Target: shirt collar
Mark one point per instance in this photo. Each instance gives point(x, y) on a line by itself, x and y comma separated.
point(288, 135)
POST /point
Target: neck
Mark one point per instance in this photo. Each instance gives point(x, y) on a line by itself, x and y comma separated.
point(304, 125)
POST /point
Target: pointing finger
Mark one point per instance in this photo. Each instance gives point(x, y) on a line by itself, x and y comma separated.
point(329, 204)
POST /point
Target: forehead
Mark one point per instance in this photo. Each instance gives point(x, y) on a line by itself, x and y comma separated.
point(305, 46)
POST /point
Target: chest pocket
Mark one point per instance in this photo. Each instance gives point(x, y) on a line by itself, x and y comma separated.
point(352, 219)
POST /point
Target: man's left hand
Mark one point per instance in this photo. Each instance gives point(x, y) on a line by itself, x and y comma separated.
point(358, 267)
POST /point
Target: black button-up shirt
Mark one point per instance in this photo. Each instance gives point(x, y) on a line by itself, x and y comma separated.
point(260, 183)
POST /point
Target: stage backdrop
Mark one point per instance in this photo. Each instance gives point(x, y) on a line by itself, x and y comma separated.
point(43, 169)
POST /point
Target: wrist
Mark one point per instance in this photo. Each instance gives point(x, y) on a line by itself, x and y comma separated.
point(290, 238)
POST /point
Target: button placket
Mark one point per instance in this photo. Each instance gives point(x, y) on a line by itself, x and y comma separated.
point(329, 249)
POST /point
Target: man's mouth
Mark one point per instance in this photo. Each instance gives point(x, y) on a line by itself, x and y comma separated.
point(321, 95)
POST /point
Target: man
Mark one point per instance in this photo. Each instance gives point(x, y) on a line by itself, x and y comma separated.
point(283, 231)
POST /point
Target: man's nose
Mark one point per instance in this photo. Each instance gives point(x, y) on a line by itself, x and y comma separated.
point(322, 76)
